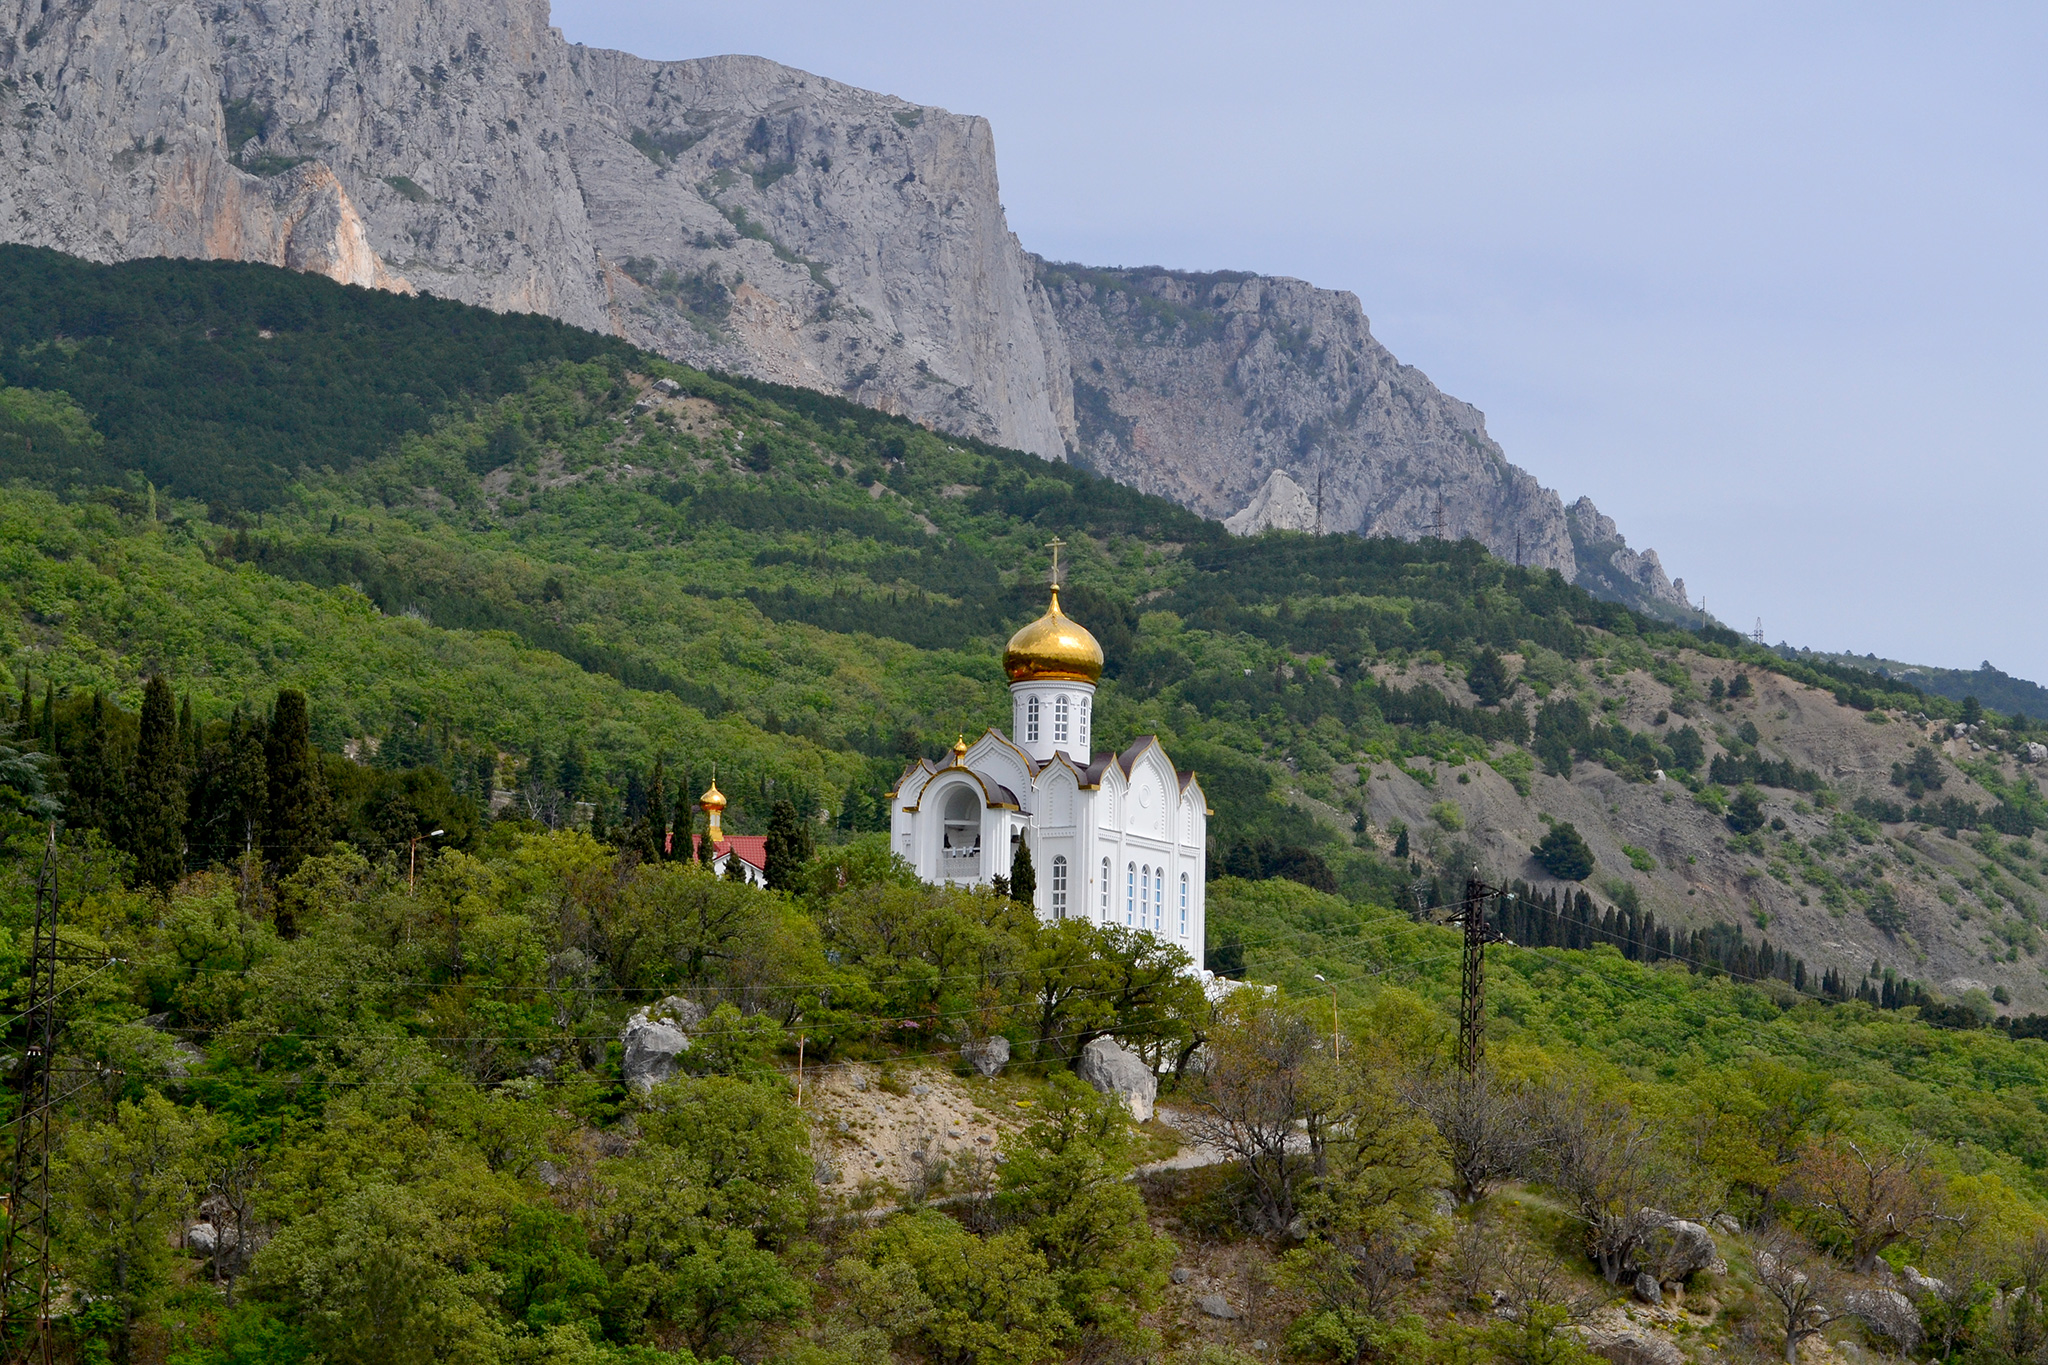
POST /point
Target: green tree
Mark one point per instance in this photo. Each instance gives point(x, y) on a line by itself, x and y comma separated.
point(91, 791)
point(1023, 877)
point(1973, 711)
point(1488, 678)
point(120, 1188)
point(789, 847)
point(689, 1225)
point(1563, 853)
point(156, 791)
point(295, 802)
point(1064, 1185)
point(386, 1274)
point(1746, 813)
point(993, 1300)
point(1688, 751)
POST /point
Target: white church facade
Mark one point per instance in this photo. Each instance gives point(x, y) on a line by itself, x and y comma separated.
point(1116, 838)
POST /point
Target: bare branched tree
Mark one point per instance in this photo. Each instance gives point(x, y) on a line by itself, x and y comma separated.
point(1876, 1195)
point(1249, 1101)
point(1605, 1159)
point(1484, 1123)
point(1802, 1289)
point(1477, 1257)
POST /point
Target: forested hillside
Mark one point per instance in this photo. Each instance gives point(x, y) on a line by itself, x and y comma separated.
point(369, 653)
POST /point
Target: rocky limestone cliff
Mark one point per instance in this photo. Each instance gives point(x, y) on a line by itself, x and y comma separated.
point(1204, 387)
point(735, 214)
point(1607, 565)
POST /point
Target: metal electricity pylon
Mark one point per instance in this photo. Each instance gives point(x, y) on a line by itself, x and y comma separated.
point(1471, 913)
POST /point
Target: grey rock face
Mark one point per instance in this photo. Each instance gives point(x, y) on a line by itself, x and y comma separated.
point(1676, 1248)
point(738, 214)
point(1888, 1313)
point(729, 212)
point(1647, 1289)
point(654, 1039)
point(1604, 562)
point(1201, 387)
point(1216, 1306)
point(201, 1239)
point(987, 1056)
point(1112, 1070)
point(1630, 1347)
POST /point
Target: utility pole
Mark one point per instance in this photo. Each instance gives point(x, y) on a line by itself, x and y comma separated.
point(25, 1254)
point(1319, 500)
point(1439, 519)
point(1759, 636)
point(1472, 997)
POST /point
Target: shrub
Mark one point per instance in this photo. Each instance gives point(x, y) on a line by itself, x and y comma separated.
point(1564, 854)
point(1447, 814)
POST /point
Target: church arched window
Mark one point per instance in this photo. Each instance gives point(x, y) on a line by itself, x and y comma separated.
point(1059, 720)
point(1183, 905)
point(1105, 890)
point(1081, 728)
point(1059, 887)
point(1158, 900)
point(1130, 895)
point(1031, 721)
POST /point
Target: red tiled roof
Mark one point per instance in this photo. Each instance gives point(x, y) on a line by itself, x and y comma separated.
point(752, 848)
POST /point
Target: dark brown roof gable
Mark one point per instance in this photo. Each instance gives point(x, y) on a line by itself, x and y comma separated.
point(1129, 757)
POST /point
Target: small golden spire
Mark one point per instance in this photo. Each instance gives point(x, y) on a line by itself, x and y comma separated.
point(713, 802)
point(960, 752)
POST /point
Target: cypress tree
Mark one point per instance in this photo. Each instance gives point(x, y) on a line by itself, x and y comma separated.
point(156, 791)
point(789, 847)
point(28, 707)
point(88, 775)
point(653, 838)
point(1023, 876)
point(735, 870)
point(295, 807)
point(247, 793)
point(49, 718)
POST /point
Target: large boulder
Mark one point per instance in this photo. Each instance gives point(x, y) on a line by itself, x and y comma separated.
point(1631, 1346)
point(1889, 1314)
point(1676, 1248)
point(654, 1038)
point(986, 1055)
point(1112, 1070)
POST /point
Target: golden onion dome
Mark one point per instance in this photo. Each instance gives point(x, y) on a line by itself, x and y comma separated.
point(713, 800)
point(1053, 648)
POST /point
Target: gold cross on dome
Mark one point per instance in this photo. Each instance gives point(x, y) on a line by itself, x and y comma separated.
point(1055, 545)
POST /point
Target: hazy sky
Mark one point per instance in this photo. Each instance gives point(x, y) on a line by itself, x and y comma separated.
point(1765, 280)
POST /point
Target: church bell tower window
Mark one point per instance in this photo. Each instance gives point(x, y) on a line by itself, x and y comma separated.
point(1059, 887)
point(1031, 721)
point(1059, 720)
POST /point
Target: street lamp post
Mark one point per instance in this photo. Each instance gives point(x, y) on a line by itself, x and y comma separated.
point(412, 866)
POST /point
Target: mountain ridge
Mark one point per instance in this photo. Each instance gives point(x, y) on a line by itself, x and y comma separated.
point(733, 214)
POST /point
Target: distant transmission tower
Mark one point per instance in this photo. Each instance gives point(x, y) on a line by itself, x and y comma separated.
point(1319, 500)
point(1439, 519)
point(1758, 636)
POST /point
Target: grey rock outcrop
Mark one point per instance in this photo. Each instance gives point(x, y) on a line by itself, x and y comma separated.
point(741, 215)
point(1627, 1346)
point(1112, 1070)
point(1602, 561)
point(1201, 387)
point(988, 1056)
point(1889, 1314)
point(654, 1039)
point(1675, 1248)
point(1647, 1289)
point(201, 1239)
point(1216, 1306)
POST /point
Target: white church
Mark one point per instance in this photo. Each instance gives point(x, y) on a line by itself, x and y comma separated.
point(1120, 838)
